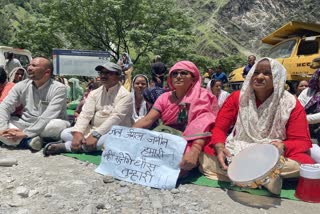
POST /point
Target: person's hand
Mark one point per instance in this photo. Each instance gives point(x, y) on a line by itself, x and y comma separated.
point(158, 80)
point(76, 115)
point(77, 141)
point(90, 143)
point(4, 133)
point(279, 144)
point(190, 159)
point(14, 134)
point(222, 154)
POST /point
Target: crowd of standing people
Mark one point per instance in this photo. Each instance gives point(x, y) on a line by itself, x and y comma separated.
point(216, 124)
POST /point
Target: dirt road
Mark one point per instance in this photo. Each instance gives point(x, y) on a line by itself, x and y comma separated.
point(60, 184)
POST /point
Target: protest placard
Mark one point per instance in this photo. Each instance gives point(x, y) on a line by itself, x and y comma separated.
point(142, 156)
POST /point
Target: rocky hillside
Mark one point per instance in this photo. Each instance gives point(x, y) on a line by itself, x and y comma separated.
point(226, 27)
point(223, 28)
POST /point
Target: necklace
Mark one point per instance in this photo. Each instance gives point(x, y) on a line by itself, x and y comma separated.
point(174, 96)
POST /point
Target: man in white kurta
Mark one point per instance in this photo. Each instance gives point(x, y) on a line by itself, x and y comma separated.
point(110, 104)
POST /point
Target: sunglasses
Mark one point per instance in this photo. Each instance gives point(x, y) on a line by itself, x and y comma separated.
point(174, 74)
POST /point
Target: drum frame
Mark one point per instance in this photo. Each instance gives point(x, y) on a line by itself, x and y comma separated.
point(262, 180)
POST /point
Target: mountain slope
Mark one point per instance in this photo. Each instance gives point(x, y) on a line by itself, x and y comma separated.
point(226, 27)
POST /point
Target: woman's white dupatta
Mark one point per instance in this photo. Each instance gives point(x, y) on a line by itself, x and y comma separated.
point(267, 122)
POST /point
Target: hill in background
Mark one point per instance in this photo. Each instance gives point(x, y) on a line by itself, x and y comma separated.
point(223, 28)
point(227, 27)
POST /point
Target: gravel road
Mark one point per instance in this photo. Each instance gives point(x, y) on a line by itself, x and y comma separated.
point(60, 184)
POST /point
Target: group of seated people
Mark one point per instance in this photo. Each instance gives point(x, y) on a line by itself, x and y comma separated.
point(262, 112)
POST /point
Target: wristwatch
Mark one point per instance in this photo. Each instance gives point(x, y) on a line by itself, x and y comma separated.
point(96, 134)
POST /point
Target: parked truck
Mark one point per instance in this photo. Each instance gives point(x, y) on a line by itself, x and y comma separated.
point(295, 46)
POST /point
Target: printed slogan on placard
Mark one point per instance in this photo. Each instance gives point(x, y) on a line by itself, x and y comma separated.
point(141, 156)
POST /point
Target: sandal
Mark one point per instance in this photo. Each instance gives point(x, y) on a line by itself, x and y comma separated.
point(54, 148)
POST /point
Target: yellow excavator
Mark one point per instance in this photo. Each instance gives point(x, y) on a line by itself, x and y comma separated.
point(295, 45)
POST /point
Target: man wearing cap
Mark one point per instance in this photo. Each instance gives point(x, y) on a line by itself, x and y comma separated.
point(108, 105)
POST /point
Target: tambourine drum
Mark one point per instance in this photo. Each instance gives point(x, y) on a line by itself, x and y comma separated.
point(255, 166)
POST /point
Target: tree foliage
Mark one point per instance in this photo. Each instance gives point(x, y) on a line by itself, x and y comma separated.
point(138, 27)
point(38, 36)
point(5, 29)
point(230, 63)
point(143, 28)
point(23, 25)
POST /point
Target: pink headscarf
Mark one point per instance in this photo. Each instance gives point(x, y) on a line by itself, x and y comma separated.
point(203, 105)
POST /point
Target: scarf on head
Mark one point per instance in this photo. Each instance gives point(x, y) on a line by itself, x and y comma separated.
point(143, 105)
point(14, 71)
point(267, 122)
point(200, 113)
point(76, 91)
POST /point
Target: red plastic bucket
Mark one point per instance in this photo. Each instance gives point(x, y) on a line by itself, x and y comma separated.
point(308, 188)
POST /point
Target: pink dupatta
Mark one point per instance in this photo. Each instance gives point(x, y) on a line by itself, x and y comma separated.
point(201, 114)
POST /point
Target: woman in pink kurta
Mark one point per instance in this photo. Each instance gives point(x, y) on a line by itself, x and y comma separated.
point(186, 107)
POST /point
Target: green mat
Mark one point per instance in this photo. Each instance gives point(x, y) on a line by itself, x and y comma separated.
point(288, 188)
point(92, 157)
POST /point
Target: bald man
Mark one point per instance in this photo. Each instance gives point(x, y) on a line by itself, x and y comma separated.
point(44, 108)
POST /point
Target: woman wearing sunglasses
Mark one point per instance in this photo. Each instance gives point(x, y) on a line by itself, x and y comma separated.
point(186, 109)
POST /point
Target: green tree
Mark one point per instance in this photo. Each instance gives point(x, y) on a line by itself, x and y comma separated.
point(5, 34)
point(232, 62)
point(37, 35)
point(138, 27)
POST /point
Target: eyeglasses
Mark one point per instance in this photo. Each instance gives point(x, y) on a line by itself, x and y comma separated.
point(105, 73)
point(183, 74)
